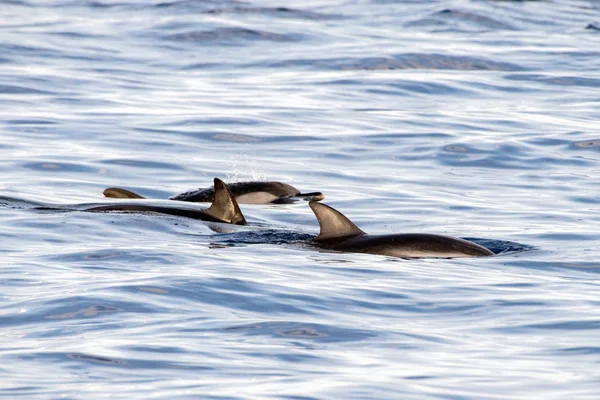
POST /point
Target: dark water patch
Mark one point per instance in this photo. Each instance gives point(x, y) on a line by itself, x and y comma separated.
point(389, 138)
point(501, 247)
point(394, 304)
point(264, 237)
point(53, 166)
point(581, 350)
point(16, 3)
point(90, 311)
point(286, 357)
point(14, 89)
point(458, 148)
point(488, 87)
point(96, 359)
point(111, 259)
point(218, 121)
point(557, 80)
point(405, 61)
point(463, 156)
point(548, 141)
point(380, 295)
point(153, 290)
point(587, 144)
point(432, 308)
point(400, 86)
point(156, 349)
point(144, 164)
point(574, 325)
point(568, 237)
point(139, 363)
point(77, 35)
point(236, 294)
point(29, 122)
point(15, 202)
point(294, 138)
point(502, 156)
point(515, 285)
point(95, 5)
point(304, 331)
point(87, 358)
point(593, 26)
point(593, 267)
point(285, 12)
point(203, 65)
point(155, 131)
point(461, 17)
point(11, 49)
point(229, 137)
point(187, 4)
point(228, 34)
point(591, 199)
point(236, 138)
point(511, 303)
point(70, 309)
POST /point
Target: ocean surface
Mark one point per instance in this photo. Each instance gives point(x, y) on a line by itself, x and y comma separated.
point(470, 118)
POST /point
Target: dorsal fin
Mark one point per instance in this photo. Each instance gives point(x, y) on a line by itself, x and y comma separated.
point(118, 193)
point(333, 223)
point(224, 206)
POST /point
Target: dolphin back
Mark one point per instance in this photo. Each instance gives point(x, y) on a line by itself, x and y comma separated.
point(224, 207)
point(410, 245)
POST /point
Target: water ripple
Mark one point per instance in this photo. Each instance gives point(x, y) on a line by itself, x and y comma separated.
point(473, 119)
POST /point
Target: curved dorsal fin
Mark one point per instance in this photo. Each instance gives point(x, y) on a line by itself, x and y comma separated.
point(224, 207)
point(333, 223)
point(118, 193)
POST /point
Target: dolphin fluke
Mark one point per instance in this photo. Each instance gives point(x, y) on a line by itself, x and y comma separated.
point(333, 223)
point(118, 193)
point(224, 207)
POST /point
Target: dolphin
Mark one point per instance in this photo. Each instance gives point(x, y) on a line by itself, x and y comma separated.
point(339, 233)
point(253, 192)
point(224, 207)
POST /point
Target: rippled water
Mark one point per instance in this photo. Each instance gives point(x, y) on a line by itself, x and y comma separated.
point(468, 117)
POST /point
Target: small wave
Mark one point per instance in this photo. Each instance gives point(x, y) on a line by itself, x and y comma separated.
point(273, 11)
point(557, 80)
point(406, 61)
point(143, 164)
point(14, 89)
point(593, 26)
point(587, 144)
point(298, 330)
point(462, 17)
point(228, 34)
point(96, 359)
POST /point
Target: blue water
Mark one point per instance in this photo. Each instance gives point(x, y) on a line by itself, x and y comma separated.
point(469, 118)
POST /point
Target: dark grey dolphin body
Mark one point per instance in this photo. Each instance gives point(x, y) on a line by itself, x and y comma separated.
point(339, 233)
point(224, 207)
point(253, 192)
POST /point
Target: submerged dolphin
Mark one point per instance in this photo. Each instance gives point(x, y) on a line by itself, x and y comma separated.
point(224, 207)
point(244, 192)
point(339, 233)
